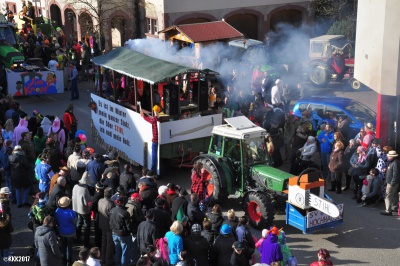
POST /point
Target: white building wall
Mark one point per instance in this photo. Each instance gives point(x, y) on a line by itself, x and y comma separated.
point(378, 46)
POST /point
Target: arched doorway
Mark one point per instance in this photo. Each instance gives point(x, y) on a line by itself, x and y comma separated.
point(55, 15)
point(118, 35)
point(193, 21)
point(70, 25)
point(292, 17)
point(246, 24)
point(85, 24)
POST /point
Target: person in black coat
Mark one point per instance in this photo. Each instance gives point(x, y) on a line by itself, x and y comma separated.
point(222, 247)
point(178, 202)
point(196, 216)
point(20, 172)
point(94, 207)
point(208, 233)
point(147, 233)
point(107, 244)
point(6, 228)
point(148, 195)
point(197, 246)
point(238, 258)
point(127, 178)
point(161, 217)
point(216, 218)
point(57, 193)
point(232, 221)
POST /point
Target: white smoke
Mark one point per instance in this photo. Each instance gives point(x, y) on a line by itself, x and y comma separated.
point(287, 46)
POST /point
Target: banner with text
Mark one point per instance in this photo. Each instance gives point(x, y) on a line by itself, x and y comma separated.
point(35, 82)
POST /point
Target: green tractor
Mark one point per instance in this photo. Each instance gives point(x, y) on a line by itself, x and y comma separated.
point(10, 56)
point(238, 164)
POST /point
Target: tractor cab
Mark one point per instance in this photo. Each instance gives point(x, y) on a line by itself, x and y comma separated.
point(242, 144)
point(324, 46)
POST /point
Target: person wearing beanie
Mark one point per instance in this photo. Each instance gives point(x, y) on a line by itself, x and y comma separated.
point(5, 152)
point(42, 172)
point(20, 170)
point(57, 133)
point(270, 250)
point(66, 220)
point(80, 204)
point(324, 258)
point(122, 227)
point(94, 210)
point(107, 244)
point(39, 141)
point(223, 246)
point(147, 233)
point(197, 245)
point(154, 148)
point(178, 202)
point(161, 216)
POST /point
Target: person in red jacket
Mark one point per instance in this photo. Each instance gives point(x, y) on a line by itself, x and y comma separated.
point(324, 258)
point(70, 121)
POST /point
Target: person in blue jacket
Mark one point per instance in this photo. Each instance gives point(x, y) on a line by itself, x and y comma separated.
point(66, 220)
point(325, 139)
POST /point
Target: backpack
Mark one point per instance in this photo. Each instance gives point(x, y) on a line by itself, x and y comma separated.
point(54, 135)
point(39, 212)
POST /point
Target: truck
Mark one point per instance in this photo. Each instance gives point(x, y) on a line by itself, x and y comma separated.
point(238, 165)
point(10, 56)
point(330, 59)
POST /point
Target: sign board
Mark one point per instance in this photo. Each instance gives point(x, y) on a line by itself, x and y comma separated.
point(35, 82)
point(323, 205)
point(127, 131)
point(318, 218)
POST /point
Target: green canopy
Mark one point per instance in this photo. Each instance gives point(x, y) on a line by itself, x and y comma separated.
point(140, 66)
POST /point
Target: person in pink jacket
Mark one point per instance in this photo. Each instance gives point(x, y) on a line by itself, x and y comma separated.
point(21, 128)
point(57, 133)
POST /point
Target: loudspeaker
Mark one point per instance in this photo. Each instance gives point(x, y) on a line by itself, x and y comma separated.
point(171, 99)
point(203, 96)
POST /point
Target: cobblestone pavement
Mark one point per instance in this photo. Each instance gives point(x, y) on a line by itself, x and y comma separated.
point(23, 237)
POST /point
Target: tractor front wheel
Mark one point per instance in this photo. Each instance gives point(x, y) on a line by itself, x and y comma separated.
point(214, 190)
point(354, 83)
point(319, 74)
point(258, 207)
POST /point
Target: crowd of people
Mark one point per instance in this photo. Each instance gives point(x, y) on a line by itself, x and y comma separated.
point(78, 193)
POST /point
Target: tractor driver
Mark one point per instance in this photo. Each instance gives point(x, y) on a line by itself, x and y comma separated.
point(233, 150)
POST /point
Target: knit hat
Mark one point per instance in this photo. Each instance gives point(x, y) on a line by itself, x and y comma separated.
point(226, 229)
point(5, 191)
point(162, 190)
point(196, 229)
point(136, 196)
point(238, 245)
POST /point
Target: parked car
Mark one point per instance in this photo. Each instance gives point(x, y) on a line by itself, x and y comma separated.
point(357, 113)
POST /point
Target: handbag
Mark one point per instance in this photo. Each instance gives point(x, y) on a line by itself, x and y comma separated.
point(350, 171)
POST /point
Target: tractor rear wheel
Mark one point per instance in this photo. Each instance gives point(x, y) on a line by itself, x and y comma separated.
point(214, 190)
point(354, 84)
point(319, 74)
point(3, 79)
point(258, 207)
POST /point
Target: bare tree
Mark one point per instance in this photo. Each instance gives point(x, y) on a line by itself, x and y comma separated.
point(100, 11)
point(335, 9)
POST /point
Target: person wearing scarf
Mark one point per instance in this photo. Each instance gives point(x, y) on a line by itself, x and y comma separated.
point(360, 167)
